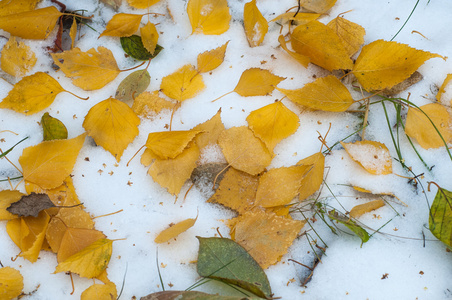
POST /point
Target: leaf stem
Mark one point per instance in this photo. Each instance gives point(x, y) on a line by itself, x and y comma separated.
point(222, 96)
point(81, 98)
point(133, 68)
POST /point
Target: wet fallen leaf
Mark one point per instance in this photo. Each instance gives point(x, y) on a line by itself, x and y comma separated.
point(351, 34)
point(142, 4)
point(302, 59)
point(133, 85)
point(318, 6)
point(358, 210)
point(17, 59)
point(122, 25)
point(350, 224)
point(30, 205)
point(208, 16)
point(11, 283)
point(374, 157)
point(174, 230)
point(211, 130)
point(440, 216)
point(75, 240)
point(149, 37)
point(210, 60)
point(53, 129)
point(257, 82)
point(313, 180)
point(169, 144)
point(134, 47)
point(256, 26)
point(149, 104)
point(183, 84)
point(100, 291)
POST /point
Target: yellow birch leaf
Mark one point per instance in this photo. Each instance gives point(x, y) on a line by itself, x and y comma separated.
point(351, 34)
point(73, 32)
point(358, 210)
point(75, 240)
point(142, 4)
point(419, 127)
point(32, 94)
point(257, 82)
point(174, 230)
point(100, 291)
point(209, 16)
point(169, 144)
point(90, 262)
point(318, 6)
point(50, 162)
point(299, 18)
point(8, 7)
point(325, 93)
point(147, 157)
point(374, 157)
point(211, 130)
point(28, 234)
point(302, 59)
point(313, 180)
point(149, 104)
point(273, 123)
point(382, 64)
point(113, 125)
point(122, 25)
point(17, 59)
point(183, 84)
point(173, 173)
point(265, 235)
point(282, 211)
point(90, 70)
point(256, 26)
point(149, 37)
point(7, 197)
point(36, 24)
point(210, 60)
point(237, 190)
point(280, 186)
point(442, 89)
point(244, 151)
point(322, 45)
point(11, 283)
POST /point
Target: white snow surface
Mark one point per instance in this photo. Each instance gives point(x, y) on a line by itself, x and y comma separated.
point(415, 268)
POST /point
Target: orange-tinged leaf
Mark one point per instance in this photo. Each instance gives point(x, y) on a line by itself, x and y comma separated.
point(122, 25)
point(90, 262)
point(149, 37)
point(318, 6)
point(209, 16)
point(382, 64)
point(313, 180)
point(280, 186)
point(211, 130)
point(273, 123)
point(210, 60)
point(302, 59)
point(75, 240)
point(351, 34)
point(169, 144)
point(100, 291)
point(322, 45)
point(11, 283)
point(183, 84)
point(442, 89)
point(113, 125)
point(49, 163)
point(36, 24)
point(141, 4)
point(358, 210)
point(256, 26)
point(90, 70)
point(419, 127)
point(8, 7)
point(32, 94)
point(244, 151)
point(173, 173)
point(325, 93)
point(174, 230)
point(17, 59)
point(73, 32)
point(7, 197)
point(374, 157)
point(265, 235)
point(299, 18)
point(257, 82)
point(149, 104)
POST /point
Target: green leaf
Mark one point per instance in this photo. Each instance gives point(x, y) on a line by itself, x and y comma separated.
point(440, 220)
point(350, 224)
point(191, 295)
point(133, 85)
point(133, 46)
point(53, 129)
point(225, 260)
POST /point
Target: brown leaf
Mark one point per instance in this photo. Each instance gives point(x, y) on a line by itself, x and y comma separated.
point(30, 205)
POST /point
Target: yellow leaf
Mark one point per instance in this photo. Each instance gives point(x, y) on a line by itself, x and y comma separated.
point(8, 7)
point(299, 18)
point(280, 186)
point(257, 82)
point(50, 162)
point(73, 32)
point(183, 84)
point(149, 36)
point(273, 123)
point(32, 94)
point(256, 26)
point(419, 127)
point(244, 151)
point(209, 16)
point(100, 292)
point(383, 64)
point(90, 262)
point(169, 144)
point(302, 59)
point(312, 181)
point(149, 104)
point(358, 210)
point(322, 45)
point(141, 4)
point(351, 34)
point(89, 70)
point(237, 190)
point(122, 25)
point(374, 157)
point(113, 125)
point(325, 93)
point(210, 60)
point(36, 24)
point(174, 230)
point(265, 235)
point(318, 6)
point(211, 130)
point(173, 173)
point(17, 59)
point(442, 89)
point(11, 283)
point(7, 197)
point(75, 240)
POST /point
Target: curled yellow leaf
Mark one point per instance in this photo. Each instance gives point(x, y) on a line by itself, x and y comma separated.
point(442, 89)
point(183, 84)
point(358, 210)
point(122, 25)
point(256, 26)
point(174, 230)
point(302, 59)
point(374, 157)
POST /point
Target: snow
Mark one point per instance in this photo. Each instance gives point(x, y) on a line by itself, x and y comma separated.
point(416, 269)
